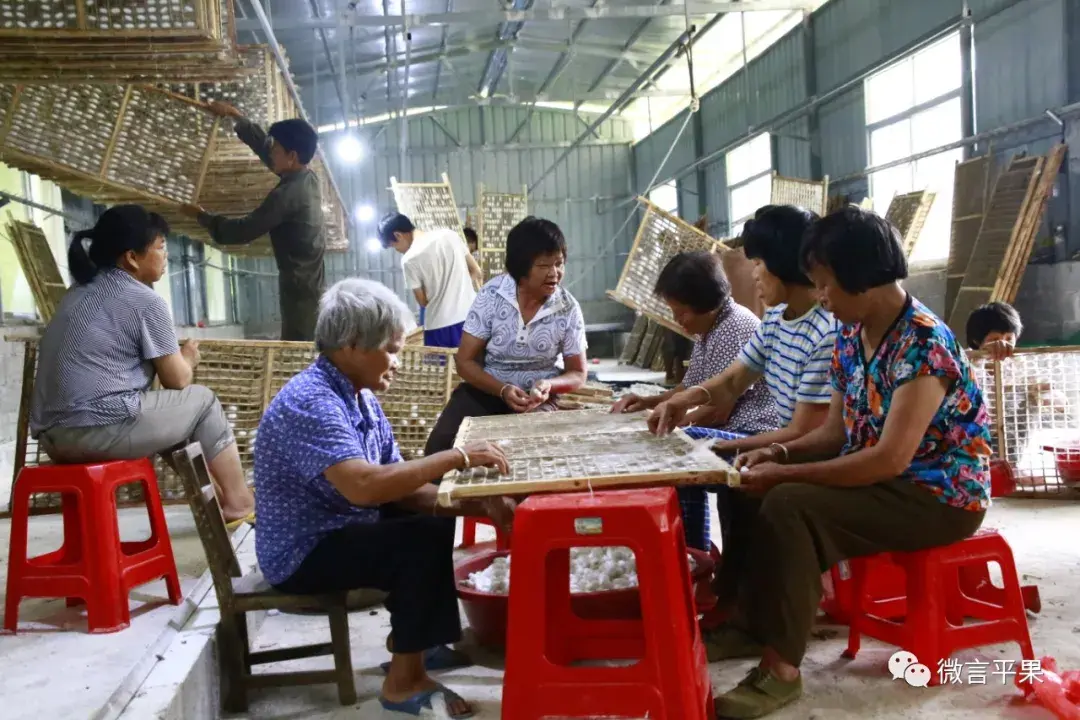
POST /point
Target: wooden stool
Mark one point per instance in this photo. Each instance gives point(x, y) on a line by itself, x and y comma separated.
point(237, 595)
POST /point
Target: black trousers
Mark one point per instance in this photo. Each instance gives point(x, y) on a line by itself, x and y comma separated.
point(466, 401)
point(408, 556)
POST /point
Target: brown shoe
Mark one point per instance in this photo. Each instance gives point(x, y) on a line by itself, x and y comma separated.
point(760, 693)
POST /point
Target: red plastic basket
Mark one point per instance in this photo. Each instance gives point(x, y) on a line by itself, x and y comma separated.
point(487, 613)
point(1067, 458)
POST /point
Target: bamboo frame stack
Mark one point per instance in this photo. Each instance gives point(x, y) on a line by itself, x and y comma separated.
point(117, 41)
point(430, 206)
point(971, 186)
point(579, 450)
point(908, 212)
point(660, 236)
point(134, 143)
point(245, 376)
point(498, 213)
point(1007, 234)
point(810, 194)
point(39, 267)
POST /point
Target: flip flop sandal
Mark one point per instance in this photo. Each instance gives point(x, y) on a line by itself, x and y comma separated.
point(249, 519)
point(441, 658)
point(420, 702)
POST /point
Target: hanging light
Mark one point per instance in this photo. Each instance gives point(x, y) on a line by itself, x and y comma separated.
point(365, 213)
point(349, 149)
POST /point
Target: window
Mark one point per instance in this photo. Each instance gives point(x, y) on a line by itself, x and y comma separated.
point(911, 107)
point(217, 288)
point(749, 180)
point(666, 197)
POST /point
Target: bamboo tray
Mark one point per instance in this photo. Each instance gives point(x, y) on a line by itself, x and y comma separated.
point(134, 141)
point(579, 450)
point(498, 214)
point(430, 206)
point(660, 237)
point(908, 212)
point(810, 194)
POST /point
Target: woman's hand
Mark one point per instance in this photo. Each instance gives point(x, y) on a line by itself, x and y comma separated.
point(223, 109)
point(484, 454)
point(190, 351)
point(751, 458)
point(539, 394)
point(516, 398)
point(501, 511)
point(666, 417)
point(761, 478)
point(999, 349)
point(629, 403)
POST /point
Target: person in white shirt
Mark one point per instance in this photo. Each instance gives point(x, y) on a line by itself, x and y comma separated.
point(441, 273)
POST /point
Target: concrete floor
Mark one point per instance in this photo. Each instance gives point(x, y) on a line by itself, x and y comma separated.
point(52, 667)
point(47, 672)
point(1044, 535)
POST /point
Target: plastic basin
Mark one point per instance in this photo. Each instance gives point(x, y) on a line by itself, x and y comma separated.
point(1067, 458)
point(488, 613)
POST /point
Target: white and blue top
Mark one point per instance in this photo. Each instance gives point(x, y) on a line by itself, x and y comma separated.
point(523, 353)
point(794, 356)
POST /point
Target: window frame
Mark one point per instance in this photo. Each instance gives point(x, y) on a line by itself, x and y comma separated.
point(733, 221)
point(908, 115)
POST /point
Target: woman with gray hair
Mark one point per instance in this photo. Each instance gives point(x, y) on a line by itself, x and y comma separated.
point(338, 507)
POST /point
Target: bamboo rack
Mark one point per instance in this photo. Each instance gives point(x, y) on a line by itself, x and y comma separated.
point(970, 193)
point(117, 42)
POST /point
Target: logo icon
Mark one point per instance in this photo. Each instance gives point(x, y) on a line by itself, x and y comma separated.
point(917, 675)
point(899, 662)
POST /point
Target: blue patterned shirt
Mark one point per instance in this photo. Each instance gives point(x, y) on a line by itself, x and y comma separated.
point(315, 422)
point(521, 353)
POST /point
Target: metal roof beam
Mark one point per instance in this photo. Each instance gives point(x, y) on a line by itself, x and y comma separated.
point(540, 14)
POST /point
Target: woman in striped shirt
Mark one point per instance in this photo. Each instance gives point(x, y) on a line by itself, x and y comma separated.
point(792, 350)
point(99, 355)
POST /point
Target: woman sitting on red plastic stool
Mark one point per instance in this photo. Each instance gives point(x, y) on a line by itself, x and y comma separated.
point(901, 463)
point(98, 357)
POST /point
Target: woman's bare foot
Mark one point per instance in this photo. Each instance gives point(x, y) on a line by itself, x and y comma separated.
point(407, 677)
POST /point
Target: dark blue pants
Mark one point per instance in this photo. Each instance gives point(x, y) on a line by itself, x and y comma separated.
point(446, 337)
point(695, 500)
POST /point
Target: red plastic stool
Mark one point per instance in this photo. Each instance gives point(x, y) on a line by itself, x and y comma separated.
point(933, 626)
point(669, 681)
point(93, 564)
point(468, 533)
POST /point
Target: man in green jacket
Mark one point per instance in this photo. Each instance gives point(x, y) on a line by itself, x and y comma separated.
point(291, 214)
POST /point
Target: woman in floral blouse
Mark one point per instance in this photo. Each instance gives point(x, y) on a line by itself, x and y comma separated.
point(522, 326)
point(901, 463)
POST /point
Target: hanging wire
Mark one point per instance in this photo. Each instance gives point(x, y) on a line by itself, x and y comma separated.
point(695, 105)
